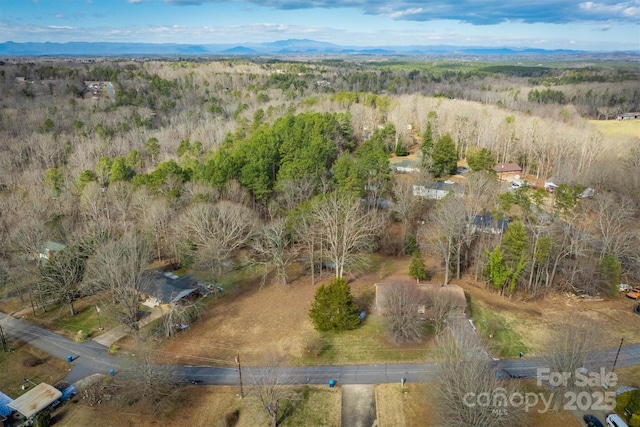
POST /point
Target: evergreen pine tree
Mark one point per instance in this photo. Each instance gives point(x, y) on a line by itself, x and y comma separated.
point(445, 156)
point(417, 269)
point(333, 308)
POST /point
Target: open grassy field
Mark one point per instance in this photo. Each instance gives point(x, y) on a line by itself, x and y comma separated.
point(618, 127)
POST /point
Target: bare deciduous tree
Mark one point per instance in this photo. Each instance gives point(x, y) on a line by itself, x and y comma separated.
point(119, 196)
point(480, 194)
point(440, 304)
point(401, 303)
point(348, 228)
point(62, 276)
point(118, 268)
point(447, 228)
point(612, 226)
point(145, 377)
point(405, 205)
point(179, 314)
point(27, 238)
point(465, 374)
point(219, 229)
point(290, 193)
point(573, 347)
point(93, 205)
point(272, 386)
point(273, 244)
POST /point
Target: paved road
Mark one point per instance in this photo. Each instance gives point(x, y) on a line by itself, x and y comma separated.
point(91, 357)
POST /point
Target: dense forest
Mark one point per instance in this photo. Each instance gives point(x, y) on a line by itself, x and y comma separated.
point(211, 164)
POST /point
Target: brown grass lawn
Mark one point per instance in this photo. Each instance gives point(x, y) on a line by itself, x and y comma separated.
point(413, 406)
point(408, 406)
point(208, 406)
point(532, 320)
point(256, 321)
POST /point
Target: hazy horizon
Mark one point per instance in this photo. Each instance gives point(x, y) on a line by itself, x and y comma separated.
point(607, 25)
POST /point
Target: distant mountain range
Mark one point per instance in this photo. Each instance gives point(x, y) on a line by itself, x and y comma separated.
point(282, 47)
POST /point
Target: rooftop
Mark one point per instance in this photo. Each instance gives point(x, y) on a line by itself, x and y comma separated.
point(36, 399)
point(507, 167)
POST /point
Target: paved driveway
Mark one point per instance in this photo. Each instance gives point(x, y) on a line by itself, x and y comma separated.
point(359, 405)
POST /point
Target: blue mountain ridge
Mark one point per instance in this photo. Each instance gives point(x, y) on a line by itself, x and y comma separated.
point(290, 46)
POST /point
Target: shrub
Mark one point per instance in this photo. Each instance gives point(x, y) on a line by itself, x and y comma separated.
point(313, 344)
point(629, 404)
point(32, 361)
point(231, 419)
point(81, 336)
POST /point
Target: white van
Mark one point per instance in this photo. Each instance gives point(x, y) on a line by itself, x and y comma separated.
point(614, 420)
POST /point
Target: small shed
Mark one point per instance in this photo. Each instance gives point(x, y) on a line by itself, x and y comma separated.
point(36, 399)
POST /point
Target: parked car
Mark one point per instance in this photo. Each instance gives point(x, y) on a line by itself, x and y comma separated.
point(624, 287)
point(592, 421)
point(634, 294)
point(614, 420)
point(587, 193)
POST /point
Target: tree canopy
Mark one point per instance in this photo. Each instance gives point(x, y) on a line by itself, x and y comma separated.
point(333, 308)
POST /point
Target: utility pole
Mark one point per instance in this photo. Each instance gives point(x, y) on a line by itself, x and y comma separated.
point(617, 354)
point(240, 373)
point(4, 342)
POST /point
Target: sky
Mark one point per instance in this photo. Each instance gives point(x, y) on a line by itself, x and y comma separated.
point(599, 25)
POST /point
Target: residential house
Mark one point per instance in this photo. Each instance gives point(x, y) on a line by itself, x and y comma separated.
point(436, 190)
point(167, 288)
point(406, 166)
point(454, 294)
point(488, 224)
point(628, 116)
point(508, 171)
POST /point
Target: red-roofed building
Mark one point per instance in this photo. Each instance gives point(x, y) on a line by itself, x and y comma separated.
point(508, 171)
